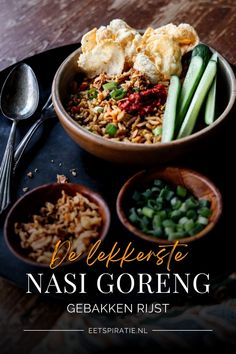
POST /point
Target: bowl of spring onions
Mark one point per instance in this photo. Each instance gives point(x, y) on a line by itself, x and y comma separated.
point(169, 204)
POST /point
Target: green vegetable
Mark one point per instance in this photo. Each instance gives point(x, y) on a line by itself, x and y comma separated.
point(191, 203)
point(111, 129)
point(158, 232)
point(176, 203)
point(191, 214)
point(197, 228)
point(183, 220)
point(136, 196)
point(198, 99)
point(133, 217)
point(157, 131)
point(176, 215)
point(211, 99)
point(181, 191)
point(192, 78)
point(204, 203)
point(148, 212)
point(151, 203)
point(92, 93)
point(183, 207)
point(169, 119)
point(157, 222)
point(202, 51)
point(162, 211)
point(202, 220)
point(175, 236)
point(204, 211)
point(147, 193)
point(189, 225)
point(169, 195)
point(118, 94)
point(158, 183)
point(163, 214)
point(98, 109)
point(210, 104)
point(109, 86)
point(168, 223)
point(214, 57)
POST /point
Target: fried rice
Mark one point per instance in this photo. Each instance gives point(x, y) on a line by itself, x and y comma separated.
point(95, 109)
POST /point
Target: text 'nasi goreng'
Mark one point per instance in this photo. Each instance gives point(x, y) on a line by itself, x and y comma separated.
point(124, 76)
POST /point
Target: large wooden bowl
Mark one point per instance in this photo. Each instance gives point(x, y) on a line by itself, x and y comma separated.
point(131, 153)
point(199, 185)
point(31, 203)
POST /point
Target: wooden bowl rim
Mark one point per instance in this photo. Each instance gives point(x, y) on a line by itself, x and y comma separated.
point(88, 192)
point(138, 176)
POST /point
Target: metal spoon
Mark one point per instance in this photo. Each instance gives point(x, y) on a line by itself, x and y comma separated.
point(18, 100)
point(46, 113)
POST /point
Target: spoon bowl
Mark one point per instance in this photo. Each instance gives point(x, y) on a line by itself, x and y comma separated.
point(20, 93)
point(19, 100)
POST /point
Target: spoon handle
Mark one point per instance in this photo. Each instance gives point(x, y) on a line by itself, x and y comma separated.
point(6, 169)
point(24, 142)
point(48, 113)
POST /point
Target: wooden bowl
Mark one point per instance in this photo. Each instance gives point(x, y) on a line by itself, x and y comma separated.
point(131, 153)
point(199, 185)
point(31, 203)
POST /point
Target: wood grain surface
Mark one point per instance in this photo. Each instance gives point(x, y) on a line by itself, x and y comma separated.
point(28, 27)
point(32, 26)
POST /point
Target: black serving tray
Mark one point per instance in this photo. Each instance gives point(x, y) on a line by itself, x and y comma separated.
point(52, 152)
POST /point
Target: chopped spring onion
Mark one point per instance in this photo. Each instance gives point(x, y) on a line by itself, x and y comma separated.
point(204, 203)
point(118, 94)
point(111, 129)
point(148, 212)
point(169, 213)
point(109, 86)
point(204, 211)
point(98, 109)
point(181, 191)
point(202, 220)
point(157, 131)
point(92, 93)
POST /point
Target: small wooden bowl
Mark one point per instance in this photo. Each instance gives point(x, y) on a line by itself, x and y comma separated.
point(199, 185)
point(31, 203)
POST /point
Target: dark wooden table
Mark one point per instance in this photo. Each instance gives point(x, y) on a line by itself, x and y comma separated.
point(32, 26)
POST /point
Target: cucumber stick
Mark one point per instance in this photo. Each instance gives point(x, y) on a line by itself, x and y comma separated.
point(210, 104)
point(198, 98)
point(214, 57)
point(193, 76)
point(211, 100)
point(203, 51)
point(169, 119)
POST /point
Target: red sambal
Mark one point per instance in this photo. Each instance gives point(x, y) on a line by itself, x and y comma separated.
point(144, 102)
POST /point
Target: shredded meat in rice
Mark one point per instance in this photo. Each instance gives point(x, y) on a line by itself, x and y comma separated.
point(96, 108)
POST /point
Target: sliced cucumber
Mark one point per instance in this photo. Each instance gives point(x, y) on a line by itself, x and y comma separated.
point(169, 119)
point(214, 57)
point(210, 104)
point(198, 99)
point(211, 99)
point(202, 51)
point(193, 76)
